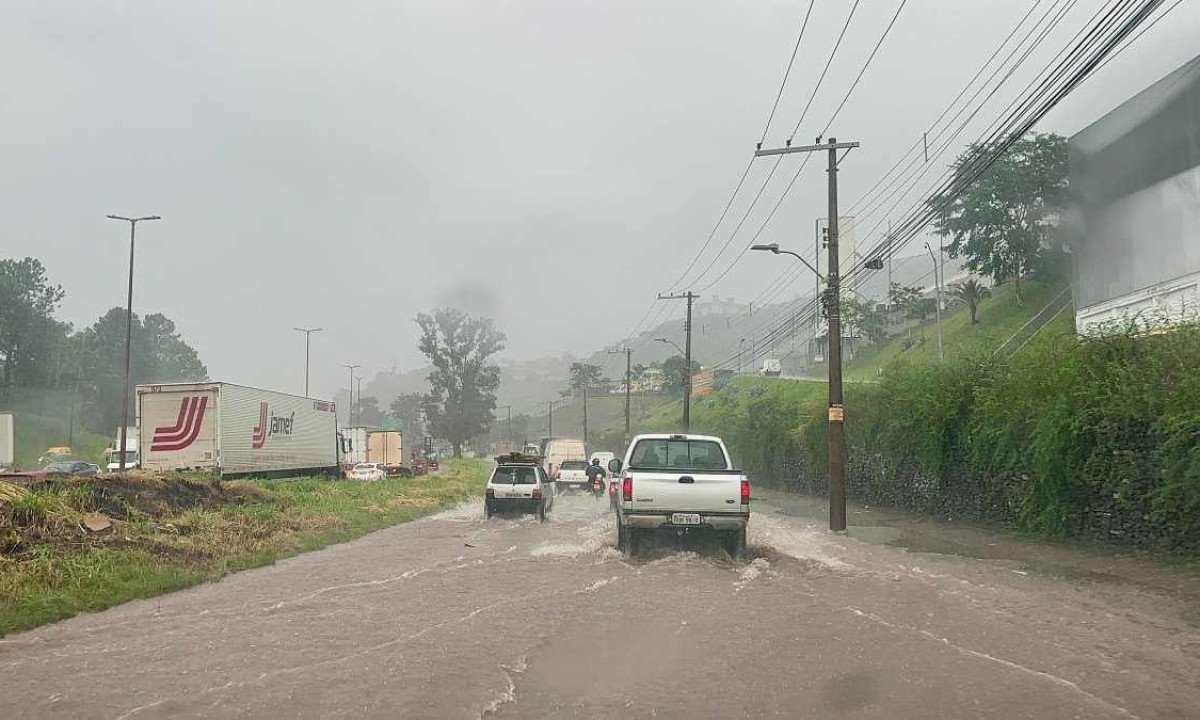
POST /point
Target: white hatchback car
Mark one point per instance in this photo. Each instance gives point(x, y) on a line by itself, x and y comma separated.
point(519, 487)
point(367, 471)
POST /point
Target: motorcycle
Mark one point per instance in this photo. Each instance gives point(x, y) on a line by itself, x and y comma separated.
point(598, 485)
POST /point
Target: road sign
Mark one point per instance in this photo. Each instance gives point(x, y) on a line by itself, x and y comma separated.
point(393, 422)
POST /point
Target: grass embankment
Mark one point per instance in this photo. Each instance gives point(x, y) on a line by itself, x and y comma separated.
point(1000, 316)
point(170, 533)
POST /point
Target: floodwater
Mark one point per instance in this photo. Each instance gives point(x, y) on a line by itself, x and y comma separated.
point(458, 616)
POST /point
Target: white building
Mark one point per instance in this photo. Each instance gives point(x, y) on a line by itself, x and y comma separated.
point(1136, 176)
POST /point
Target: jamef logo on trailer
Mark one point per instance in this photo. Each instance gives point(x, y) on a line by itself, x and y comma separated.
point(186, 429)
point(270, 424)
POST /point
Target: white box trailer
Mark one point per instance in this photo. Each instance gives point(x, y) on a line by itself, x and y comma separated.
point(235, 430)
point(8, 440)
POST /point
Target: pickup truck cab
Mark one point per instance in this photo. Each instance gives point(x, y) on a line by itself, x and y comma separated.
point(518, 484)
point(681, 484)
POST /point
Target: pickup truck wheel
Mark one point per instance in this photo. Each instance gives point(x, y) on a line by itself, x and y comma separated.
point(735, 544)
point(633, 542)
point(620, 536)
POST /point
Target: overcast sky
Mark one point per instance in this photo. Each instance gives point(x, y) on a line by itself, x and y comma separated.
point(552, 164)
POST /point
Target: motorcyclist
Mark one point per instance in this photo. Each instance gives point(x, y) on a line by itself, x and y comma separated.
point(594, 470)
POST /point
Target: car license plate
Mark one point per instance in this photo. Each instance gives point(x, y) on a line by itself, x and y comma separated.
point(685, 519)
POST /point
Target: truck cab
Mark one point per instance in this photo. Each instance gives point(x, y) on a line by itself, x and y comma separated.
point(680, 484)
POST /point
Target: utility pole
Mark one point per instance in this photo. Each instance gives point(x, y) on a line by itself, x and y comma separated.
point(550, 414)
point(937, 303)
point(307, 335)
point(585, 427)
point(628, 381)
point(128, 330)
point(350, 410)
point(889, 270)
point(837, 431)
point(687, 356)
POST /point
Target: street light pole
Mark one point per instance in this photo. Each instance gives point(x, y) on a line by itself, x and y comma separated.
point(837, 434)
point(937, 295)
point(128, 330)
point(307, 335)
point(350, 410)
point(359, 380)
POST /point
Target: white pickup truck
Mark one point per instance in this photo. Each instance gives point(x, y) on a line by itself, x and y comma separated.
point(680, 484)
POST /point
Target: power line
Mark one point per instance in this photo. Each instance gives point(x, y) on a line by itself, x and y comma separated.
point(953, 102)
point(867, 64)
point(1099, 41)
point(821, 79)
point(787, 72)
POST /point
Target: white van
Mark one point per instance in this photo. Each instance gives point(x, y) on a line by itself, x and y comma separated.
point(559, 450)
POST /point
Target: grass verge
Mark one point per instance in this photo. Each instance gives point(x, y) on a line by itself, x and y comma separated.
point(171, 533)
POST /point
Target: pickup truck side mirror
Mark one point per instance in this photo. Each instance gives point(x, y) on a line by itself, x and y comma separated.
point(614, 465)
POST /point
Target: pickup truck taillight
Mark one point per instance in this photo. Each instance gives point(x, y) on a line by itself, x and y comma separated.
point(745, 492)
point(627, 488)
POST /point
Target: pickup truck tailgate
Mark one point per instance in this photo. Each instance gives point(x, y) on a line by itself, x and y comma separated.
point(691, 491)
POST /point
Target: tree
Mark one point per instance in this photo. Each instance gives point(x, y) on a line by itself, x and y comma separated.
point(637, 372)
point(1000, 221)
point(866, 318)
point(407, 407)
point(674, 375)
point(159, 354)
point(28, 329)
point(171, 358)
point(585, 375)
point(367, 411)
point(971, 292)
point(463, 395)
point(903, 297)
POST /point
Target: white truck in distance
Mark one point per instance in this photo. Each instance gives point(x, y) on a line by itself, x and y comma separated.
point(680, 484)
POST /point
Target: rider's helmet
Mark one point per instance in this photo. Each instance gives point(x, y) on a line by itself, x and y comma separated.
point(595, 461)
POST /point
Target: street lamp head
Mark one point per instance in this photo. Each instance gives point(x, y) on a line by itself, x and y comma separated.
point(773, 247)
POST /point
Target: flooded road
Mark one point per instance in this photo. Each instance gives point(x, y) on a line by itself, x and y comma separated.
point(457, 616)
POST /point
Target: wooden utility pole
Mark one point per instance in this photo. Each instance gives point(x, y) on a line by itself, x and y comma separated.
point(687, 356)
point(628, 381)
point(832, 303)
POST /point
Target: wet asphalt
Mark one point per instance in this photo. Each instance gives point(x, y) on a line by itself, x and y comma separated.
point(455, 616)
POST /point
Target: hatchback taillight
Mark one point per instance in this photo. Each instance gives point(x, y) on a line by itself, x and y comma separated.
point(537, 493)
point(745, 492)
point(627, 488)
point(491, 492)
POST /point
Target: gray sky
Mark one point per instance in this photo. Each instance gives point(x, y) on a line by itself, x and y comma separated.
point(350, 164)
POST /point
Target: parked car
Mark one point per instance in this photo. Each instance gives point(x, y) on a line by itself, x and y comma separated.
point(680, 484)
point(71, 467)
point(519, 485)
point(367, 471)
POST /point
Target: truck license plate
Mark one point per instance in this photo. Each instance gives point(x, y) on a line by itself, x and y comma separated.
point(685, 519)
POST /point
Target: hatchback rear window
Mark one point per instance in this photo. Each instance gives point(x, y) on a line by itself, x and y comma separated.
point(678, 455)
point(515, 476)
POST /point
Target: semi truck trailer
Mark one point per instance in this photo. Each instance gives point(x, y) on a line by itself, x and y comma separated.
point(235, 430)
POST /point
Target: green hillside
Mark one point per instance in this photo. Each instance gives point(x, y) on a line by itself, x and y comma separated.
point(1000, 316)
